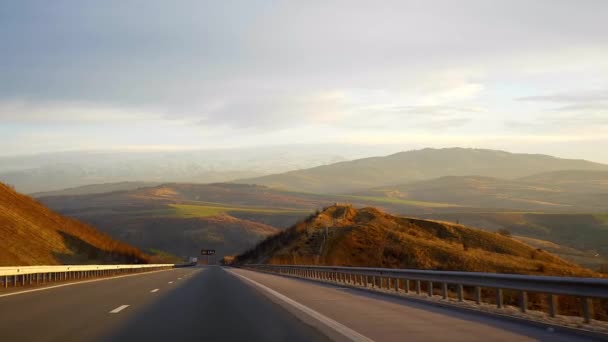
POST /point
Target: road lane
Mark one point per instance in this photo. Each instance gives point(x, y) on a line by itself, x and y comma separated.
point(384, 318)
point(209, 303)
point(200, 303)
point(215, 307)
point(80, 312)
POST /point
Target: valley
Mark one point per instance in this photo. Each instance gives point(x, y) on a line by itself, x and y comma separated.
point(561, 211)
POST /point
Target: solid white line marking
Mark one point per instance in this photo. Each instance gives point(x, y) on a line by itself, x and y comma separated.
point(155, 290)
point(339, 327)
point(119, 309)
point(80, 282)
point(170, 282)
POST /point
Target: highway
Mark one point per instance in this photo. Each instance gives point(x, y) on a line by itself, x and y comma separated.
point(223, 304)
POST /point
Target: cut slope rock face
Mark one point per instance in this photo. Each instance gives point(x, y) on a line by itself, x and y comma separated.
point(344, 236)
point(31, 234)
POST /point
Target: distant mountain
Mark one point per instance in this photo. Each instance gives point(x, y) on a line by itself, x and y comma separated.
point(344, 236)
point(411, 166)
point(31, 234)
point(62, 170)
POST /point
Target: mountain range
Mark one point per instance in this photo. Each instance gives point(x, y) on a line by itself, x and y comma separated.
point(418, 165)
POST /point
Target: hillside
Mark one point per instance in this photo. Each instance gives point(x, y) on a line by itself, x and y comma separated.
point(183, 218)
point(405, 167)
point(226, 234)
point(579, 181)
point(170, 205)
point(96, 189)
point(586, 233)
point(536, 193)
point(34, 235)
point(369, 237)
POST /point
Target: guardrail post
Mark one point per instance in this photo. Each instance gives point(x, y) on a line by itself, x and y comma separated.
point(373, 281)
point(444, 290)
point(396, 284)
point(587, 309)
point(552, 299)
point(406, 286)
point(5, 282)
point(460, 293)
point(477, 295)
point(523, 301)
point(430, 289)
point(499, 298)
point(417, 287)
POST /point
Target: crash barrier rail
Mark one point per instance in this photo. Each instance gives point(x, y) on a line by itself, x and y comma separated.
point(399, 280)
point(35, 275)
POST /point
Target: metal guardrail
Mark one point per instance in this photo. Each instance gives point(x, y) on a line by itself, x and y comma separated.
point(32, 275)
point(399, 279)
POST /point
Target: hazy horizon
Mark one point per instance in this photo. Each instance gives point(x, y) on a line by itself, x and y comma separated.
point(515, 76)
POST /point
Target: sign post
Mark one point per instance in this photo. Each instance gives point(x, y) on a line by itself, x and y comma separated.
point(208, 252)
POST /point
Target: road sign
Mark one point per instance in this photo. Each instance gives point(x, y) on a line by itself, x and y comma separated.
point(207, 251)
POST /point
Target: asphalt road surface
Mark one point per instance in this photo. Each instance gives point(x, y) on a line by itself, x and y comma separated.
point(216, 304)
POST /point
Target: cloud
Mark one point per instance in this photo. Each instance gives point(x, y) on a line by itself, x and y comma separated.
point(272, 72)
point(572, 98)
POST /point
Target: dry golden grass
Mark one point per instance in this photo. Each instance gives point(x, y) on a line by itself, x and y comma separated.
point(31, 234)
point(369, 237)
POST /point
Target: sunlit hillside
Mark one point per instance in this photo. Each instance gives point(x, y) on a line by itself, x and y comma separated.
point(34, 235)
point(343, 235)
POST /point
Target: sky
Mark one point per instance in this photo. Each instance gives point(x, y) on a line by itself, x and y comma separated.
point(521, 76)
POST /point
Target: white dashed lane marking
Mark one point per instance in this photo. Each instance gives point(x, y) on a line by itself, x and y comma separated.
point(155, 290)
point(119, 309)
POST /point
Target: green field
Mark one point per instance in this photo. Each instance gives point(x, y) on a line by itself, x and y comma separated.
point(602, 218)
point(393, 200)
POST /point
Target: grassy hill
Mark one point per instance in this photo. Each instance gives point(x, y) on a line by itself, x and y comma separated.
point(369, 237)
point(32, 234)
point(575, 181)
point(158, 217)
point(585, 233)
point(535, 193)
point(405, 167)
point(183, 218)
point(186, 236)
